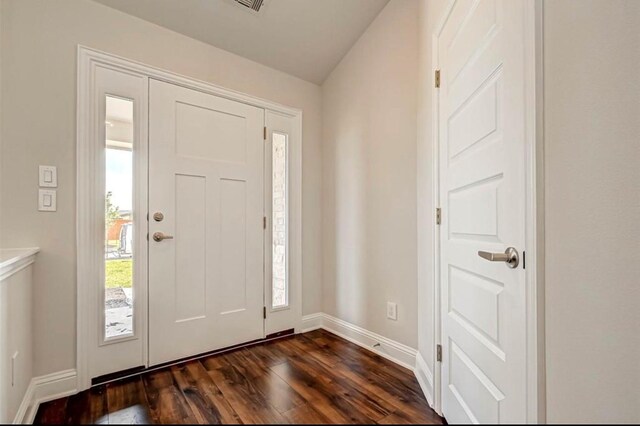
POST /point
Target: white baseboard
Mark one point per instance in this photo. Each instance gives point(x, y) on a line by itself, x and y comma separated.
point(45, 388)
point(390, 349)
point(312, 322)
point(425, 378)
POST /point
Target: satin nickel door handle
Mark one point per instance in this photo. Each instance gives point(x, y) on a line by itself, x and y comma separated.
point(510, 257)
point(159, 236)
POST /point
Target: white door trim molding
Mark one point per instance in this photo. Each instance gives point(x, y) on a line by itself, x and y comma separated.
point(86, 233)
point(534, 247)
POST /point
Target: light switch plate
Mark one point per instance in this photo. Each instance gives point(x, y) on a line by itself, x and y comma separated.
point(48, 176)
point(47, 200)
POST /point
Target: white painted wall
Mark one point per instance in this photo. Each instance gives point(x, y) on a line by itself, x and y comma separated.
point(39, 77)
point(369, 178)
point(592, 132)
point(592, 157)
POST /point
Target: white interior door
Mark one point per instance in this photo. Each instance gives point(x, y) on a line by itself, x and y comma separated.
point(206, 180)
point(482, 194)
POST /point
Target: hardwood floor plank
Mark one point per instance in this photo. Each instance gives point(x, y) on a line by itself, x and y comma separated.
point(242, 395)
point(167, 405)
point(322, 394)
point(305, 415)
point(268, 354)
point(316, 377)
point(88, 407)
point(385, 388)
point(52, 412)
point(202, 381)
point(274, 390)
point(369, 404)
point(127, 402)
point(403, 418)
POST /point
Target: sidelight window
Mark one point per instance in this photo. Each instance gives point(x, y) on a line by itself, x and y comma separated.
point(279, 222)
point(118, 241)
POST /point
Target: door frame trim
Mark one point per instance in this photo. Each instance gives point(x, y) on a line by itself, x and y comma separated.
point(87, 60)
point(534, 210)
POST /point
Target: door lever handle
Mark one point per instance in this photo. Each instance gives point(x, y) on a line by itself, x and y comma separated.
point(159, 236)
point(510, 257)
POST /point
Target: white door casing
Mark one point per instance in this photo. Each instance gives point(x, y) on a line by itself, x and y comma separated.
point(482, 156)
point(206, 178)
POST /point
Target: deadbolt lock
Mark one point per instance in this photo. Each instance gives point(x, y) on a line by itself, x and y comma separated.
point(158, 216)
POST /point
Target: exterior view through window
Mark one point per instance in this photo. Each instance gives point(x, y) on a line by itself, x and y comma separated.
point(279, 284)
point(118, 285)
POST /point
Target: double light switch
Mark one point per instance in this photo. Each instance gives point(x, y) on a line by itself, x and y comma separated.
point(48, 178)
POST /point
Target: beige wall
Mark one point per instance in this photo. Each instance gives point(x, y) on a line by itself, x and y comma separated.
point(369, 201)
point(592, 143)
point(39, 77)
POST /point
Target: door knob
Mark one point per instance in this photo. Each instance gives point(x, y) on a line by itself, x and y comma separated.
point(510, 257)
point(159, 236)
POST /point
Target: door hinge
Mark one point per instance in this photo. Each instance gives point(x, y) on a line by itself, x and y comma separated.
point(264, 133)
point(264, 312)
point(439, 353)
point(264, 222)
point(437, 79)
point(438, 216)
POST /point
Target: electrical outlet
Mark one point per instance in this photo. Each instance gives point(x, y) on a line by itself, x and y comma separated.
point(392, 311)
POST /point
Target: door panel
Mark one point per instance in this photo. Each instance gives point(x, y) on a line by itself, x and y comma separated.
point(116, 324)
point(482, 180)
point(206, 177)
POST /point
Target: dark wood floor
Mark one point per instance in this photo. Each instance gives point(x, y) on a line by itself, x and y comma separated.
point(314, 377)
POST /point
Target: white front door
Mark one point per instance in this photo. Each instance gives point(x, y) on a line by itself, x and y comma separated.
point(482, 195)
point(206, 196)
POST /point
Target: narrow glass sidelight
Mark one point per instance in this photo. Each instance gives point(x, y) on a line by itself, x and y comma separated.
point(280, 223)
point(118, 241)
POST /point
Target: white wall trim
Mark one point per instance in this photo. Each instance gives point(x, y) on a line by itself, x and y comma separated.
point(42, 389)
point(425, 378)
point(311, 322)
point(397, 352)
point(16, 260)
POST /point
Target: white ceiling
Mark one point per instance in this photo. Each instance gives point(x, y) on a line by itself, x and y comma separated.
point(305, 38)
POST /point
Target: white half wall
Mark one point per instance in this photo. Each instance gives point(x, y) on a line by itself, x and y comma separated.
point(369, 178)
point(39, 47)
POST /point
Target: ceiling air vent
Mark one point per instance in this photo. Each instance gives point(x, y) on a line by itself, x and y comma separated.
point(254, 5)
